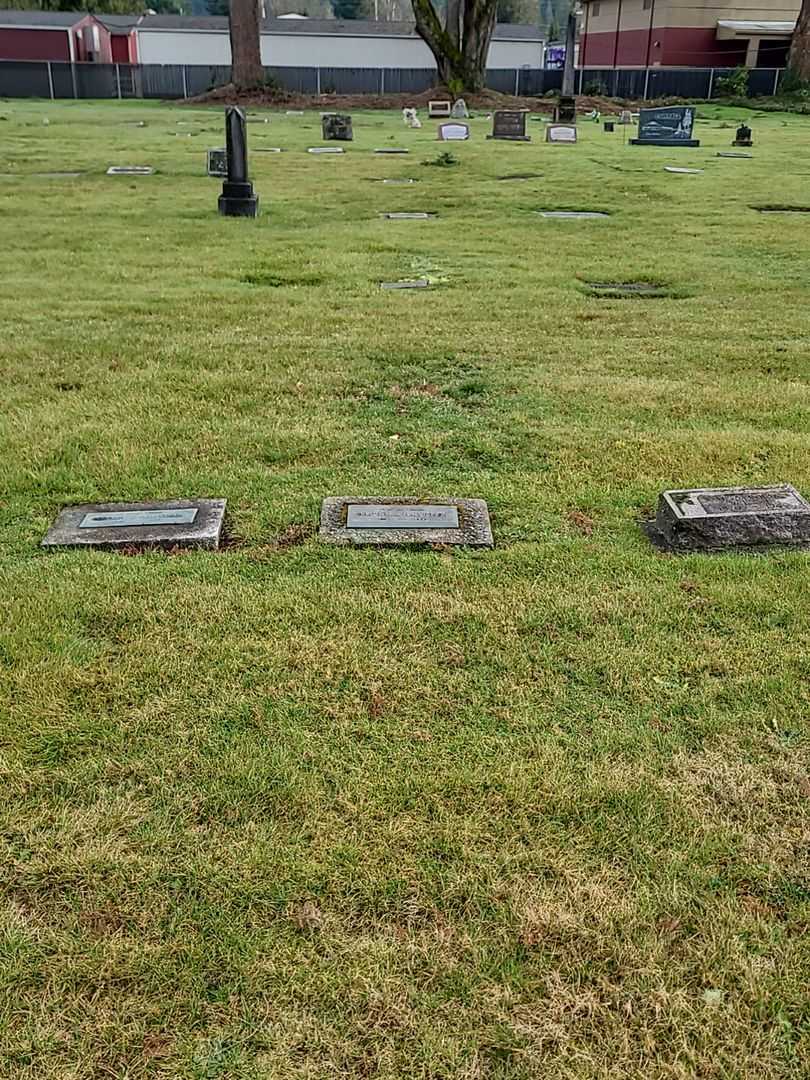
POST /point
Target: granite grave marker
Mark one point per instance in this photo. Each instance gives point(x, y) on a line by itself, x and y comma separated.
point(396, 521)
point(716, 518)
point(670, 126)
point(238, 198)
point(336, 127)
point(509, 124)
point(438, 110)
point(182, 524)
point(561, 133)
point(453, 132)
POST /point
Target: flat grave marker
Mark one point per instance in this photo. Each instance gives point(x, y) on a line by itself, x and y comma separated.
point(710, 519)
point(574, 215)
point(326, 150)
point(677, 169)
point(403, 180)
point(392, 150)
point(733, 154)
point(130, 170)
point(407, 216)
point(396, 521)
point(418, 283)
point(267, 150)
point(183, 523)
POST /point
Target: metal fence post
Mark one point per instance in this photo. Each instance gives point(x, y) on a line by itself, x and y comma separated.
point(646, 84)
point(517, 82)
point(118, 80)
point(382, 80)
point(711, 84)
point(50, 79)
point(776, 75)
point(318, 80)
point(185, 82)
point(73, 78)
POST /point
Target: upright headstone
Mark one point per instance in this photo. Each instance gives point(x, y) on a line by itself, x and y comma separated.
point(238, 198)
point(453, 132)
point(217, 163)
point(439, 110)
point(743, 136)
point(625, 117)
point(670, 126)
point(561, 133)
point(509, 124)
point(459, 110)
point(336, 127)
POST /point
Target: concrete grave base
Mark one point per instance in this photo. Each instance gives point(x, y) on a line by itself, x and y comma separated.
point(364, 520)
point(183, 523)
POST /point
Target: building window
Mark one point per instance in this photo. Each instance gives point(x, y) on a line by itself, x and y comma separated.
point(646, 5)
point(595, 9)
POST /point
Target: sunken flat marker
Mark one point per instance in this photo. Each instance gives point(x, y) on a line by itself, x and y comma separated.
point(706, 519)
point(183, 523)
point(378, 521)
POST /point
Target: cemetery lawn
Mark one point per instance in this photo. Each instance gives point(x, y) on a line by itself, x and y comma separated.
point(295, 811)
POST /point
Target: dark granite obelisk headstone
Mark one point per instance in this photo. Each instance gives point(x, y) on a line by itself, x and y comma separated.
point(238, 198)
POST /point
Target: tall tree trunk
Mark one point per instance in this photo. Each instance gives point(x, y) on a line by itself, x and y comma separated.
point(461, 45)
point(246, 50)
point(799, 56)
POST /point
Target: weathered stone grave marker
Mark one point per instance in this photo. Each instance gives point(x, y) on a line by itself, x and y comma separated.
point(453, 132)
point(572, 214)
point(671, 126)
point(326, 150)
point(418, 283)
point(216, 163)
point(396, 521)
point(183, 524)
point(677, 169)
point(705, 519)
point(561, 133)
point(238, 198)
point(130, 170)
point(336, 127)
point(509, 124)
point(460, 110)
point(438, 110)
point(732, 154)
point(407, 216)
point(391, 150)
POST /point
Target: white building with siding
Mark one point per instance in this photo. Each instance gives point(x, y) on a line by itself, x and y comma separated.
point(178, 39)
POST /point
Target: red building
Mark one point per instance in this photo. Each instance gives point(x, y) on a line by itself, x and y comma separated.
point(64, 36)
point(685, 33)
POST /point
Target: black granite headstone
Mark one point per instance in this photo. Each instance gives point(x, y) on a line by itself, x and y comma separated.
point(336, 128)
point(509, 124)
point(671, 126)
point(238, 198)
point(743, 136)
point(565, 111)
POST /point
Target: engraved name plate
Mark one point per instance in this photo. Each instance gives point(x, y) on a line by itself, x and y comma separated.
point(418, 516)
point(138, 517)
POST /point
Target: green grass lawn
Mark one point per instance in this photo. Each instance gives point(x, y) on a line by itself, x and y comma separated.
point(293, 812)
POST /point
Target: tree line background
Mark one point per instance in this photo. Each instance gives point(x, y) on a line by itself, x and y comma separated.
point(549, 15)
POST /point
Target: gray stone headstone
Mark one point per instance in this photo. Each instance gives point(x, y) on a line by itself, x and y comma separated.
point(336, 127)
point(396, 521)
point(453, 132)
point(460, 110)
point(183, 524)
point(715, 518)
point(561, 133)
point(439, 109)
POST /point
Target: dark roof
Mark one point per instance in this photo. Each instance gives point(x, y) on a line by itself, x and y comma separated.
point(119, 22)
point(45, 19)
point(347, 27)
